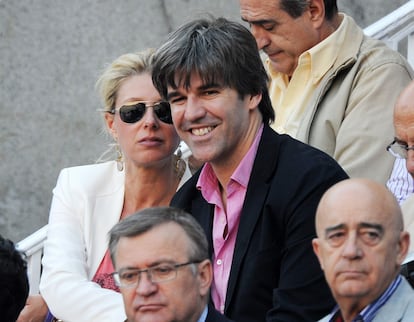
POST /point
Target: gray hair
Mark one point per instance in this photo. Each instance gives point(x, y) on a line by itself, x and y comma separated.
point(296, 8)
point(122, 68)
point(149, 218)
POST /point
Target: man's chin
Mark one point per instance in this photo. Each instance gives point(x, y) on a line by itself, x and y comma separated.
point(149, 316)
point(352, 289)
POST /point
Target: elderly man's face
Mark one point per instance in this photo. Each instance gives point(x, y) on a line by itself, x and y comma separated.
point(178, 299)
point(404, 126)
point(280, 36)
point(358, 245)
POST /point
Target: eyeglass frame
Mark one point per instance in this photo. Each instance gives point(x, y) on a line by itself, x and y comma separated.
point(149, 271)
point(146, 104)
point(403, 149)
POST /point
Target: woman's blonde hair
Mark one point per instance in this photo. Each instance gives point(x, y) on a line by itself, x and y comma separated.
point(123, 67)
point(110, 81)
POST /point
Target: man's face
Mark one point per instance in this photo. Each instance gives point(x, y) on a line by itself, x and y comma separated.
point(179, 299)
point(404, 128)
point(358, 245)
point(280, 36)
point(214, 121)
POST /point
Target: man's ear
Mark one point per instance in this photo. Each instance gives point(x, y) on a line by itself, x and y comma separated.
point(254, 101)
point(205, 276)
point(316, 250)
point(316, 13)
point(403, 245)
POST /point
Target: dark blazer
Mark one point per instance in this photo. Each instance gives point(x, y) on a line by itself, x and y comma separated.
point(215, 316)
point(274, 270)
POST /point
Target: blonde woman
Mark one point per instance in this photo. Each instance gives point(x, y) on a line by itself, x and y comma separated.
point(76, 282)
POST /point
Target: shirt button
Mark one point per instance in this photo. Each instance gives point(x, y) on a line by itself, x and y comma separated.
point(219, 262)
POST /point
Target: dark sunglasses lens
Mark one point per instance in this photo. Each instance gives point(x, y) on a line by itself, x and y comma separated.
point(163, 112)
point(132, 113)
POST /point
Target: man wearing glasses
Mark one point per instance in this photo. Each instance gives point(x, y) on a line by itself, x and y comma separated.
point(403, 147)
point(162, 267)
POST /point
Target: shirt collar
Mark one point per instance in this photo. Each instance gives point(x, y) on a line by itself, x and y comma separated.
point(320, 57)
point(203, 316)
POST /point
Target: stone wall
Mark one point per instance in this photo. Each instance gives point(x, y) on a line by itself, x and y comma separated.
point(51, 53)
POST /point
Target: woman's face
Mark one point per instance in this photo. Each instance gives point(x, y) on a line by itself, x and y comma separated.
point(149, 141)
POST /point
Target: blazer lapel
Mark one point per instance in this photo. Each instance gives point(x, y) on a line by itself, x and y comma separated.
point(257, 191)
point(394, 309)
point(204, 213)
point(106, 212)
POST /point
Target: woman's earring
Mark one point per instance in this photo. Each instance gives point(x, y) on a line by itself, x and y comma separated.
point(119, 159)
point(179, 163)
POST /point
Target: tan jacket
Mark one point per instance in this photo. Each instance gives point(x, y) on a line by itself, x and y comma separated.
point(350, 114)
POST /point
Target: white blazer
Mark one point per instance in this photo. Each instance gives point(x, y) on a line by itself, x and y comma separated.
point(87, 203)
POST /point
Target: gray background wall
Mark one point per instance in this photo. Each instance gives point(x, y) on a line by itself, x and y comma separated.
point(51, 53)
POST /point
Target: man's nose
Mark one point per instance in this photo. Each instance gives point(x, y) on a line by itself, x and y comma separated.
point(352, 248)
point(195, 108)
point(145, 286)
point(410, 162)
point(261, 36)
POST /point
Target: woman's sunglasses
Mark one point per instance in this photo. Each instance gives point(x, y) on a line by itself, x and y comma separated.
point(133, 113)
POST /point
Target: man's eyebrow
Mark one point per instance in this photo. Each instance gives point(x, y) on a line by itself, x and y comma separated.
point(153, 264)
point(333, 228)
point(207, 86)
point(259, 21)
point(378, 227)
point(399, 141)
point(172, 94)
point(201, 88)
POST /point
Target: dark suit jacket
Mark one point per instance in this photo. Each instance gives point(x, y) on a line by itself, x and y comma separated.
point(215, 316)
point(274, 269)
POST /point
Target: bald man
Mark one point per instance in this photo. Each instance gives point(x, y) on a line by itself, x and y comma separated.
point(361, 245)
point(403, 149)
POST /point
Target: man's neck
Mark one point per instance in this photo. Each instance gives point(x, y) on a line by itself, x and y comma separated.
point(224, 167)
point(330, 26)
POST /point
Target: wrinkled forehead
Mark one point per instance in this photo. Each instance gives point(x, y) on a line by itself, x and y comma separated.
point(404, 121)
point(352, 212)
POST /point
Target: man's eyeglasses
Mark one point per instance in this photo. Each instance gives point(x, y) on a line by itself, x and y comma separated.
point(133, 113)
point(399, 150)
point(130, 277)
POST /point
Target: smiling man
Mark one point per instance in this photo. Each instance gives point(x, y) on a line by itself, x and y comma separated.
point(361, 245)
point(257, 193)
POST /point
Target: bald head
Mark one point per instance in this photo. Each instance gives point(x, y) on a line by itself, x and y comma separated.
point(405, 101)
point(359, 195)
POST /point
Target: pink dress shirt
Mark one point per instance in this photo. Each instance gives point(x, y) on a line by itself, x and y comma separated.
point(226, 221)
